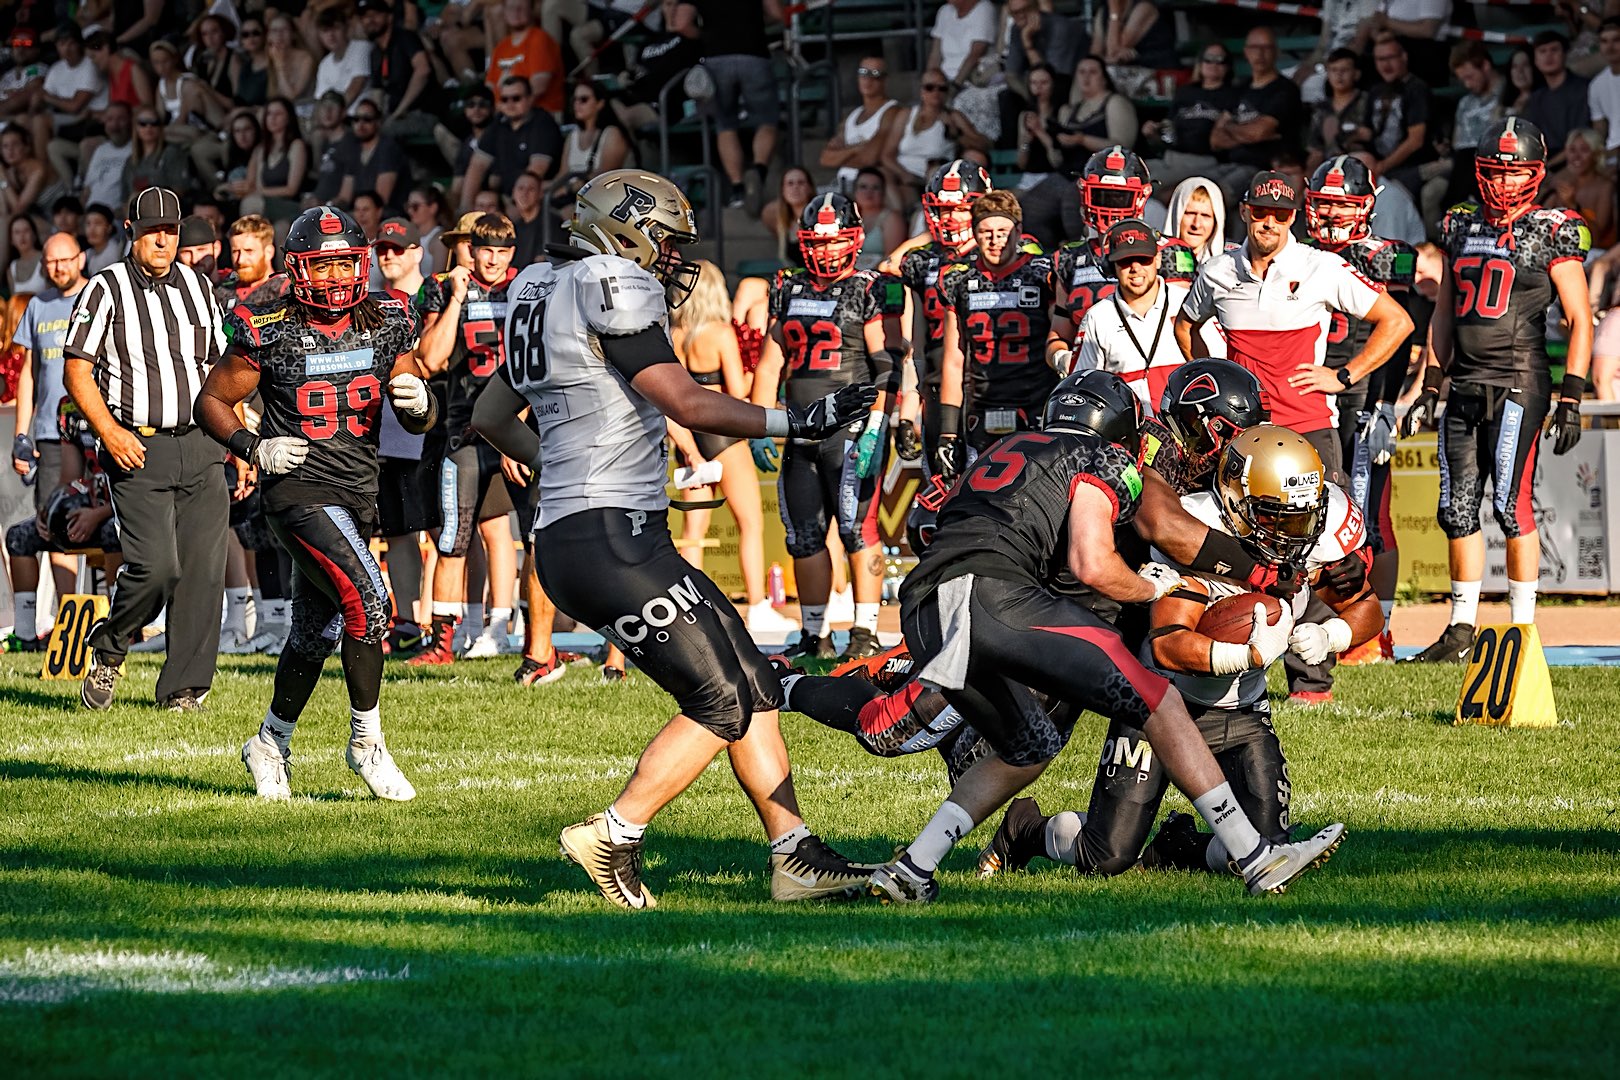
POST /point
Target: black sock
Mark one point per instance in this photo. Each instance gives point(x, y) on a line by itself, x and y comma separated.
point(296, 677)
point(272, 586)
point(835, 702)
point(362, 670)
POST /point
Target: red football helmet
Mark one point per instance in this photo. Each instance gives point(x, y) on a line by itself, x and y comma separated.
point(1340, 182)
point(325, 232)
point(950, 191)
point(1114, 187)
point(1510, 164)
point(830, 235)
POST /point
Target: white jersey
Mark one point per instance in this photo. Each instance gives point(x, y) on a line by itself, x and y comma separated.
point(601, 443)
point(1345, 531)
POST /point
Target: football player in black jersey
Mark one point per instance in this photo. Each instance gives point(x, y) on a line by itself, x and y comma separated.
point(1507, 259)
point(322, 359)
point(464, 317)
point(947, 204)
point(985, 629)
point(1338, 212)
point(997, 312)
point(831, 326)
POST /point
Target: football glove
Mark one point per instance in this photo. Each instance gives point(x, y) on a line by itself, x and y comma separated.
point(867, 447)
point(1315, 642)
point(826, 415)
point(1163, 578)
point(1421, 413)
point(409, 394)
point(1377, 432)
point(1270, 640)
point(765, 453)
point(948, 458)
point(1564, 426)
point(281, 454)
point(907, 443)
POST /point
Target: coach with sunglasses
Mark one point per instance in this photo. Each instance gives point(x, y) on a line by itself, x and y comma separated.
point(141, 339)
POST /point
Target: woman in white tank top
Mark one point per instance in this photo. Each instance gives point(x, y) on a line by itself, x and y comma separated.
point(858, 131)
point(932, 133)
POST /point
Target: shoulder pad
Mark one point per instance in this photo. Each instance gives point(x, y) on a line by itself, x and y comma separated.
point(254, 327)
point(1030, 247)
point(1345, 531)
point(618, 297)
point(1203, 506)
point(536, 282)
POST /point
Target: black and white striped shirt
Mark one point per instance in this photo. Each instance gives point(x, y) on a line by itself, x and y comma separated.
point(151, 341)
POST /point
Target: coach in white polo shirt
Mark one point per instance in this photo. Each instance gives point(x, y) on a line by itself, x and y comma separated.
point(1132, 332)
point(1274, 298)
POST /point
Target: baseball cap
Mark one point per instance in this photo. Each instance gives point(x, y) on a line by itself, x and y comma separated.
point(463, 227)
point(397, 232)
point(1272, 189)
point(152, 207)
point(195, 230)
point(23, 38)
point(373, 5)
point(1132, 239)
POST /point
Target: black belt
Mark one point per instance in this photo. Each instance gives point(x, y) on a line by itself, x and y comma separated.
point(172, 432)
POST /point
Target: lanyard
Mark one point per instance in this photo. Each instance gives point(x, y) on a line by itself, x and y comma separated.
point(1125, 321)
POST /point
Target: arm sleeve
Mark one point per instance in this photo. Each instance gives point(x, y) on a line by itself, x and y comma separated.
point(631, 354)
point(87, 330)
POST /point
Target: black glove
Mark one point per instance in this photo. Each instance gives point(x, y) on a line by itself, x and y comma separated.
point(1348, 576)
point(907, 443)
point(1564, 426)
point(1421, 413)
point(826, 415)
point(948, 459)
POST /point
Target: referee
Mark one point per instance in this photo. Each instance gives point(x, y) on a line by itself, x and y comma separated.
point(142, 337)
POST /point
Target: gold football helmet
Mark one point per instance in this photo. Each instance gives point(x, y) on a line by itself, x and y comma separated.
point(642, 217)
point(1269, 484)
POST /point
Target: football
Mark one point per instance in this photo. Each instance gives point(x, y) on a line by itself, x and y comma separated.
point(1232, 619)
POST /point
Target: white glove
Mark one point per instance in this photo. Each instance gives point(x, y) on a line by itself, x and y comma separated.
point(409, 394)
point(1315, 642)
point(1271, 640)
point(282, 454)
point(1062, 361)
point(1161, 577)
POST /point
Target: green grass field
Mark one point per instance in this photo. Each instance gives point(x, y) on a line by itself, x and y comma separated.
point(155, 918)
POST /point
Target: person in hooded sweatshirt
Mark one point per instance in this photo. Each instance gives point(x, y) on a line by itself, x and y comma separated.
point(1197, 217)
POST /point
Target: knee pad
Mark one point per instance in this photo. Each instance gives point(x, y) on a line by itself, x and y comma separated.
point(803, 545)
point(22, 539)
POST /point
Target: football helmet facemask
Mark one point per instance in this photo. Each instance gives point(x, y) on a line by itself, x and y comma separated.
point(1269, 485)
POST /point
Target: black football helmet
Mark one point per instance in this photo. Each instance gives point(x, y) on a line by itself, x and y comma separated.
point(1206, 404)
point(1344, 182)
point(830, 235)
point(58, 505)
point(1100, 403)
point(1114, 187)
point(924, 514)
point(953, 187)
point(325, 232)
point(1510, 164)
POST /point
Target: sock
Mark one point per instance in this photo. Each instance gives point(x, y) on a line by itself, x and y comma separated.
point(621, 831)
point(449, 609)
point(1389, 611)
point(365, 725)
point(500, 621)
point(1521, 601)
point(814, 618)
point(787, 689)
point(473, 620)
point(278, 612)
point(1216, 856)
point(276, 731)
point(1464, 601)
point(948, 825)
point(866, 616)
point(236, 608)
point(790, 839)
point(1063, 837)
point(1219, 807)
point(27, 618)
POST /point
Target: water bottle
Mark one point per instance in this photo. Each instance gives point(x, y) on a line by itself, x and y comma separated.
point(774, 585)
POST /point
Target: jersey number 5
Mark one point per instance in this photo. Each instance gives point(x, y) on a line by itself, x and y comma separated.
point(483, 347)
point(1488, 297)
point(318, 403)
point(526, 344)
point(1003, 463)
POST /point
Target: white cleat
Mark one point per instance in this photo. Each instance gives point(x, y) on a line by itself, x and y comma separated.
point(375, 765)
point(484, 646)
point(270, 639)
point(762, 618)
point(1278, 866)
point(270, 767)
point(234, 642)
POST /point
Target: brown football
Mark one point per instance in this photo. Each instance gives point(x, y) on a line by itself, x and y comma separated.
point(1232, 619)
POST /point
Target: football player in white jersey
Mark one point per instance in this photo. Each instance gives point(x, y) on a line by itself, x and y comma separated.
point(588, 350)
point(1269, 492)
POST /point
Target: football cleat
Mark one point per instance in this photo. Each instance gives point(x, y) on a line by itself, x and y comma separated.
point(863, 644)
point(14, 643)
point(96, 691)
point(1368, 652)
point(484, 646)
point(611, 674)
point(234, 642)
point(534, 673)
point(810, 647)
point(375, 765)
point(1276, 867)
point(1178, 845)
point(1020, 837)
point(405, 638)
point(615, 869)
point(437, 653)
point(270, 767)
point(1453, 647)
point(1311, 697)
point(892, 883)
point(814, 871)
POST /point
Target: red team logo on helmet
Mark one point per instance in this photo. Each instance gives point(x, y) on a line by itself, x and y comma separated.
point(1339, 201)
point(1114, 187)
point(830, 235)
point(1510, 165)
point(947, 198)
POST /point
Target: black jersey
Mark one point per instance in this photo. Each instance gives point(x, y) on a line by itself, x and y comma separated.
point(1390, 264)
point(1503, 289)
point(920, 269)
point(1083, 276)
point(824, 330)
point(1009, 516)
point(264, 292)
point(1003, 316)
point(477, 352)
point(326, 388)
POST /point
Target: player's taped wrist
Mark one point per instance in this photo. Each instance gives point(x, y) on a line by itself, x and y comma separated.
point(950, 420)
point(1338, 634)
point(1573, 388)
point(1225, 658)
point(243, 445)
point(1432, 377)
point(776, 423)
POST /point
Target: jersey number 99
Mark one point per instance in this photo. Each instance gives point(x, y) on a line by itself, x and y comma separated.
point(318, 404)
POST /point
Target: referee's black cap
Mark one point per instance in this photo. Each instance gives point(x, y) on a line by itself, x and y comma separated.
point(154, 207)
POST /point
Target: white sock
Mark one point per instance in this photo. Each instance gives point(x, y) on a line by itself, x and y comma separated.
point(621, 831)
point(276, 731)
point(1216, 857)
point(237, 600)
point(1389, 611)
point(1464, 601)
point(1521, 601)
point(948, 825)
point(1063, 837)
point(1220, 808)
point(790, 839)
point(473, 620)
point(278, 611)
point(446, 609)
point(27, 618)
point(500, 621)
point(787, 689)
point(365, 725)
point(866, 616)
point(814, 618)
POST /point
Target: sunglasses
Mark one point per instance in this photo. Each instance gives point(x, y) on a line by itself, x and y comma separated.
point(583, 99)
point(1271, 213)
point(1215, 60)
point(362, 118)
point(935, 87)
point(1133, 261)
point(146, 123)
point(871, 73)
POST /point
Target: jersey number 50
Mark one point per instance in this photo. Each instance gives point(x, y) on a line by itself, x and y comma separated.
point(1488, 296)
point(526, 343)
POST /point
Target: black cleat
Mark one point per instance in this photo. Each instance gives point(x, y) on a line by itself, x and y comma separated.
point(862, 645)
point(810, 647)
point(1177, 846)
point(1020, 837)
point(1452, 648)
point(814, 871)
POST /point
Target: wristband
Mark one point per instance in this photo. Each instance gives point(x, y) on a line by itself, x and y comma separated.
point(1432, 377)
point(950, 419)
point(776, 424)
point(1222, 554)
point(1338, 634)
point(1573, 387)
point(242, 444)
point(1344, 376)
point(1226, 658)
